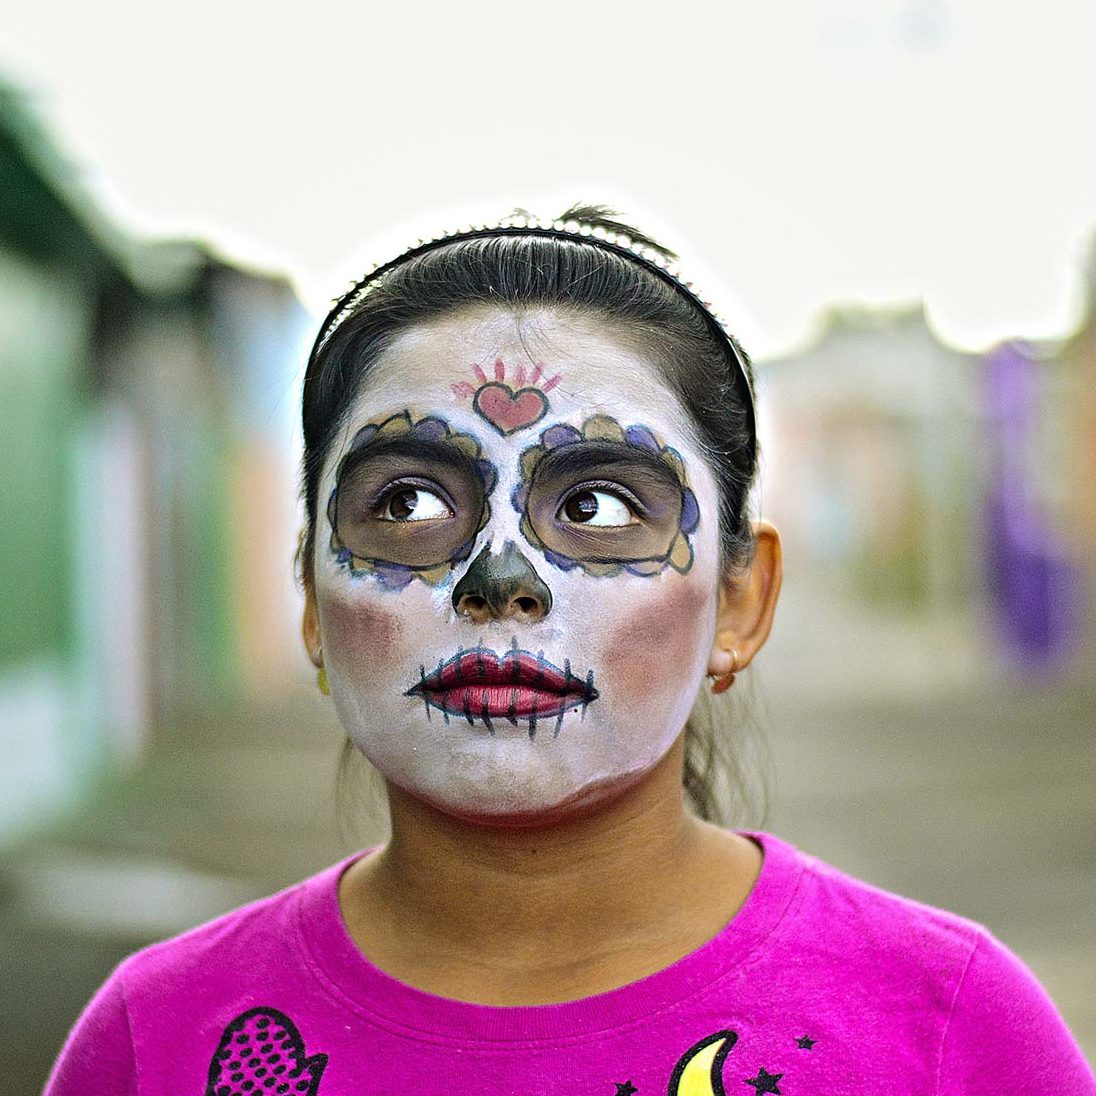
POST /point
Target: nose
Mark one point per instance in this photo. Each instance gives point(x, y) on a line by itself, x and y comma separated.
point(501, 586)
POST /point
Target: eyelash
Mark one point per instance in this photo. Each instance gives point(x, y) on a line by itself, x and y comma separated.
point(611, 488)
point(379, 502)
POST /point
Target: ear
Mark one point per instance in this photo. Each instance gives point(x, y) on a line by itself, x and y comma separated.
point(747, 605)
point(310, 626)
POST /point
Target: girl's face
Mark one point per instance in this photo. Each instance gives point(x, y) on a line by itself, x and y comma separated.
point(516, 566)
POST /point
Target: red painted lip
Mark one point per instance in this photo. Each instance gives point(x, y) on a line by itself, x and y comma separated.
point(519, 685)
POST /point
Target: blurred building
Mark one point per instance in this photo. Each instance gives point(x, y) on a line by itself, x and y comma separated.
point(905, 473)
point(147, 402)
point(875, 470)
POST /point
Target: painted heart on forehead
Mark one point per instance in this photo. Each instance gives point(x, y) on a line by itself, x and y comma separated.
point(507, 410)
point(510, 401)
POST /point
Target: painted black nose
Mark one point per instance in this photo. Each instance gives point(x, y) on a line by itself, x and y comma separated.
point(501, 586)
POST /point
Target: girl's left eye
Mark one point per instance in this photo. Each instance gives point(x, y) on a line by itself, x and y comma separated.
point(600, 508)
point(413, 504)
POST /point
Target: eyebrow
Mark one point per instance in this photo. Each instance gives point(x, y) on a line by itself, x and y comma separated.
point(407, 446)
point(580, 456)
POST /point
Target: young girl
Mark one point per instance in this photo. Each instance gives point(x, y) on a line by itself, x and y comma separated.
point(529, 450)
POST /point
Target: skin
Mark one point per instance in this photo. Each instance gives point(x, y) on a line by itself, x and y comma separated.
point(562, 833)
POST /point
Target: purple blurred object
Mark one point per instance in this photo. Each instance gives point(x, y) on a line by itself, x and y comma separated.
point(1036, 591)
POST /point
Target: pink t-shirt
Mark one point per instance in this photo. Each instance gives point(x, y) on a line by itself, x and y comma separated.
point(820, 984)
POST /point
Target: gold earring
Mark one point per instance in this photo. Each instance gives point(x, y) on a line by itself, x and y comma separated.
point(321, 680)
point(722, 684)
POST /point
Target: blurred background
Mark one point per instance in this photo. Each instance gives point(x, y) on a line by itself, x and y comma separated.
point(893, 201)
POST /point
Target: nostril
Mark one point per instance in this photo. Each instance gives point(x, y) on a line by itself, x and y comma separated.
point(473, 605)
point(528, 605)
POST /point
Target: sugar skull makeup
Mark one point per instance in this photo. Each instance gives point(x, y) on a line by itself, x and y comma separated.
point(516, 604)
point(626, 475)
point(409, 499)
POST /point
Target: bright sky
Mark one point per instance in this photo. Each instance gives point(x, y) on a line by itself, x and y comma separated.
point(795, 154)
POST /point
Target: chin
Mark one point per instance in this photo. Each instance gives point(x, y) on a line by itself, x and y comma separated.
point(531, 799)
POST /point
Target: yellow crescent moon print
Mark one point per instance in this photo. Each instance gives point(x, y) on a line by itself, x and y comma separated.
point(700, 1070)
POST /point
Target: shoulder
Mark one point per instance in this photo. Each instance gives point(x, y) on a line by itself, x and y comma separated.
point(247, 942)
point(837, 914)
point(996, 1027)
point(199, 974)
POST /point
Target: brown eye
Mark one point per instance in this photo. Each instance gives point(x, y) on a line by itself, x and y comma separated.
point(600, 508)
point(413, 504)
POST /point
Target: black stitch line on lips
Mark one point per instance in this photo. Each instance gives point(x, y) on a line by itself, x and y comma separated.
point(588, 695)
point(469, 704)
point(425, 698)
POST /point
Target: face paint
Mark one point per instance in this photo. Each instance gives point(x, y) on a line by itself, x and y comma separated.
point(511, 689)
point(509, 407)
point(478, 684)
point(409, 499)
point(607, 499)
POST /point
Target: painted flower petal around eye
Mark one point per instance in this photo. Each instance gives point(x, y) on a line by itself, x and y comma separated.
point(673, 458)
point(602, 570)
point(487, 474)
point(642, 438)
point(395, 426)
point(680, 556)
point(519, 497)
point(466, 444)
point(434, 576)
point(432, 429)
point(646, 567)
point(526, 528)
point(560, 434)
point(690, 512)
point(393, 576)
point(564, 563)
point(529, 460)
point(366, 434)
point(485, 517)
point(603, 428)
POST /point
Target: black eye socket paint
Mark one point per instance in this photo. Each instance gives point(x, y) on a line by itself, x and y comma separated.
point(425, 451)
point(633, 457)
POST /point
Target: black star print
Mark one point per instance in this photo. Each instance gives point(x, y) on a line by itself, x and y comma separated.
point(765, 1081)
point(626, 1089)
point(806, 1043)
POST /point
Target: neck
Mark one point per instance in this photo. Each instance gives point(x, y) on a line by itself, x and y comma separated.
point(552, 912)
point(554, 882)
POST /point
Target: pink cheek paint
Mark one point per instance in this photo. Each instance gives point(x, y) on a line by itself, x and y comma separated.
point(357, 629)
point(659, 637)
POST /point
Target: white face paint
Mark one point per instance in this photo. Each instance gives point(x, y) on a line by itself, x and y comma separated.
point(604, 515)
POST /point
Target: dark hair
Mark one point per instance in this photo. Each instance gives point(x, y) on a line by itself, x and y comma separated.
point(570, 276)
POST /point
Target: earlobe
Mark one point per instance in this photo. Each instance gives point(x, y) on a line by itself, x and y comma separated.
point(746, 606)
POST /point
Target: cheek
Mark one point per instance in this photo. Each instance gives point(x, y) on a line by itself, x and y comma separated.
point(359, 632)
point(661, 638)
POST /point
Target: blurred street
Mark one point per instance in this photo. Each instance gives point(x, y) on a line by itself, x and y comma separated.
point(965, 792)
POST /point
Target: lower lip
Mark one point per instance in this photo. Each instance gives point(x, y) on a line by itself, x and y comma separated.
point(504, 701)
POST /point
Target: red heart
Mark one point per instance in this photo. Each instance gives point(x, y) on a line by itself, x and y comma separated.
point(507, 410)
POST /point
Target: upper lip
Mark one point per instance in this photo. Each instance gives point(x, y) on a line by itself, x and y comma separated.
point(515, 667)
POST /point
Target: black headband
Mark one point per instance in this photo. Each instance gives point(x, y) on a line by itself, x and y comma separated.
point(649, 258)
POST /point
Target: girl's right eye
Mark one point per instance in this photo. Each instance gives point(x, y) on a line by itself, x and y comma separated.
point(413, 504)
